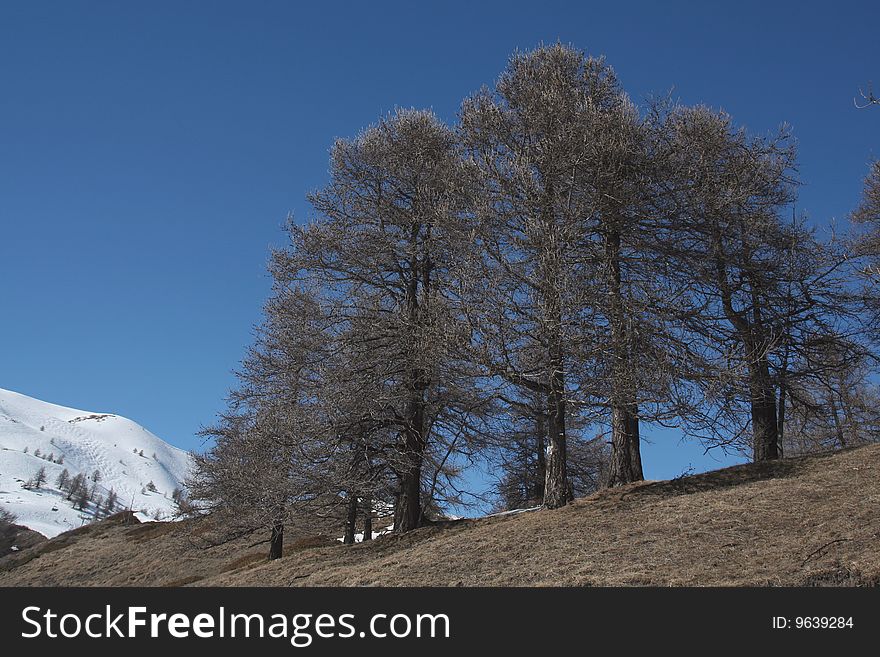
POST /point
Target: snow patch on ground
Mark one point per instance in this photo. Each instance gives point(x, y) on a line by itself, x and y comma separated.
point(513, 512)
point(359, 537)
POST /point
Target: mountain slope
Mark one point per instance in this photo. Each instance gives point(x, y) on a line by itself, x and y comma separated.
point(35, 434)
point(807, 521)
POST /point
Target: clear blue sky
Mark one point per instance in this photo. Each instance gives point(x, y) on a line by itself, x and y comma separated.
point(149, 153)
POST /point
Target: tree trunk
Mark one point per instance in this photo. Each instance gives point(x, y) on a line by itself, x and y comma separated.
point(557, 492)
point(626, 460)
point(368, 519)
point(637, 473)
point(408, 514)
point(276, 540)
point(350, 519)
point(838, 427)
point(780, 420)
point(765, 428)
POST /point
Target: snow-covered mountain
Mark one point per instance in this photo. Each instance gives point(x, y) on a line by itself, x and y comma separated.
point(35, 434)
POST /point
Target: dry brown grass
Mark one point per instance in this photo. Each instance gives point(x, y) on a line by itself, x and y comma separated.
point(801, 522)
point(17, 537)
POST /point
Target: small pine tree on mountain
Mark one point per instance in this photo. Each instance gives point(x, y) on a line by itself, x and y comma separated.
point(63, 480)
point(75, 485)
point(141, 453)
point(60, 460)
point(39, 478)
point(51, 457)
point(151, 487)
point(26, 448)
point(111, 502)
point(96, 476)
point(37, 452)
point(83, 498)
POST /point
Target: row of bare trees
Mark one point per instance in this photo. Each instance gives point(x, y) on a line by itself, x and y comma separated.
point(530, 287)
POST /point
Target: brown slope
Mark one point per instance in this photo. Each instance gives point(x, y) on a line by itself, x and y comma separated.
point(14, 538)
point(812, 520)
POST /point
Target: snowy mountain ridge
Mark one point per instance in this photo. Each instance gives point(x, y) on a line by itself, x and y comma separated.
point(140, 468)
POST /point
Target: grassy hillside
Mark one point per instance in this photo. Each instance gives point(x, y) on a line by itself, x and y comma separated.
point(806, 521)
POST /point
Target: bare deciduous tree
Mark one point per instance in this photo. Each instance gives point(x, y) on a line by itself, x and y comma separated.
point(527, 137)
point(382, 252)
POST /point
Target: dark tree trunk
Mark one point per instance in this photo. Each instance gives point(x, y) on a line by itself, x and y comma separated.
point(780, 421)
point(762, 394)
point(626, 456)
point(276, 540)
point(765, 428)
point(838, 426)
point(635, 446)
point(350, 519)
point(408, 514)
point(626, 460)
point(557, 492)
point(368, 519)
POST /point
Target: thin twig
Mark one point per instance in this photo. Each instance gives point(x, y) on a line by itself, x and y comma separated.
point(821, 548)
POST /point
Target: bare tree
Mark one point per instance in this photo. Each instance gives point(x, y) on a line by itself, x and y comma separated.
point(531, 289)
point(76, 484)
point(111, 502)
point(245, 478)
point(385, 243)
point(39, 478)
point(866, 247)
point(367, 510)
point(520, 455)
point(764, 286)
point(571, 296)
point(835, 404)
point(83, 497)
point(526, 297)
point(63, 479)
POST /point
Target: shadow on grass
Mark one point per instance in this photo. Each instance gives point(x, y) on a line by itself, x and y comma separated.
point(737, 475)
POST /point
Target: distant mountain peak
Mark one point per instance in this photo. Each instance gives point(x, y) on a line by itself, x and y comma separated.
point(115, 457)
